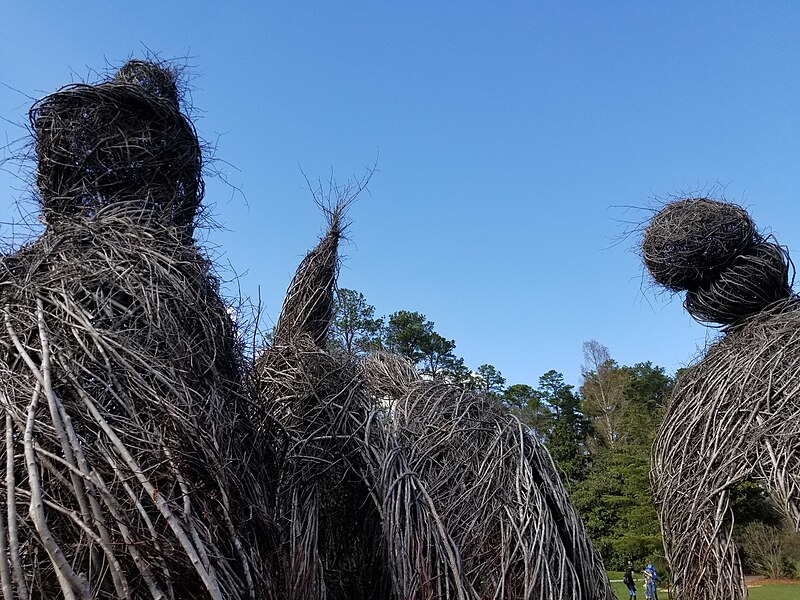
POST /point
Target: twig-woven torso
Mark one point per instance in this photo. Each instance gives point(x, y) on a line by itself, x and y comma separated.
point(134, 463)
point(735, 415)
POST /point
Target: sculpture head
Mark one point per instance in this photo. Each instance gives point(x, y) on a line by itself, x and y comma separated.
point(712, 250)
point(122, 142)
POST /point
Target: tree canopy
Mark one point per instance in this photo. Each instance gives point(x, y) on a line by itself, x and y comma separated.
point(354, 328)
point(411, 334)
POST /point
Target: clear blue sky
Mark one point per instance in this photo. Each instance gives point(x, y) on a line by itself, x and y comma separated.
point(507, 132)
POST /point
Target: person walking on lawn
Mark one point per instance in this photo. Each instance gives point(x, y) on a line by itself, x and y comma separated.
point(628, 580)
point(650, 587)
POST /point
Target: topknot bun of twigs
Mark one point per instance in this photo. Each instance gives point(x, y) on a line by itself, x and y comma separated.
point(754, 281)
point(712, 250)
point(689, 241)
point(156, 79)
point(123, 142)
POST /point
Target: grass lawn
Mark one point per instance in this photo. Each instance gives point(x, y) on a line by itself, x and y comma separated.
point(622, 592)
point(771, 591)
point(777, 591)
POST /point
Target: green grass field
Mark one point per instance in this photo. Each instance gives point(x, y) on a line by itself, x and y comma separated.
point(775, 592)
point(766, 592)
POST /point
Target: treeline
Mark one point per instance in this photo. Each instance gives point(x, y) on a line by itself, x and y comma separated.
point(599, 434)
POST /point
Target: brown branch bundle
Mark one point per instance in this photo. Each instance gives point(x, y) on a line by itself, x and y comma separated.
point(325, 514)
point(712, 250)
point(753, 281)
point(388, 375)
point(308, 306)
point(439, 493)
point(473, 505)
point(136, 464)
point(689, 240)
point(121, 139)
point(735, 415)
point(329, 523)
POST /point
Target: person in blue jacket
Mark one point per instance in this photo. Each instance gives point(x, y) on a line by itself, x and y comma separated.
point(650, 586)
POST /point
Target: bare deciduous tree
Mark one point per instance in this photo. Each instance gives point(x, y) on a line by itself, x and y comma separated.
point(603, 391)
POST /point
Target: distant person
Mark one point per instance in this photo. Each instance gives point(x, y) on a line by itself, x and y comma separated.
point(628, 580)
point(650, 586)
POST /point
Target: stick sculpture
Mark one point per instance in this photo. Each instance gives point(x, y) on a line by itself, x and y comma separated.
point(475, 507)
point(736, 413)
point(326, 517)
point(406, 489)
point(135, 463)
point(140, 456)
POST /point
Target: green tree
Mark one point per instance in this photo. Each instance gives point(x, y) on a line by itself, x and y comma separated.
point(354, 328)
point(647, 389)
point(407, 332)
point(438, 358)
point(751, 503)
point(519, 396)
point(457, 371)
point(615, 500)
point(489, 380)
point(567, 434)
point(412, 335)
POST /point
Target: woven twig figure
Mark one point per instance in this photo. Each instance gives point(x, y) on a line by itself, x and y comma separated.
point(121, 139)
point(327, 519)
point(438, 494)
point(735, 414)
point(133, 468)
point(473, 503)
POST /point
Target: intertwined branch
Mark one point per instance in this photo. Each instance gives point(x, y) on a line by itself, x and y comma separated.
point(689, 241)
point(123, 139)
point(144, 459)
point(136, 463)
point(735, 415)
point(397, 487)
point(473, 505)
